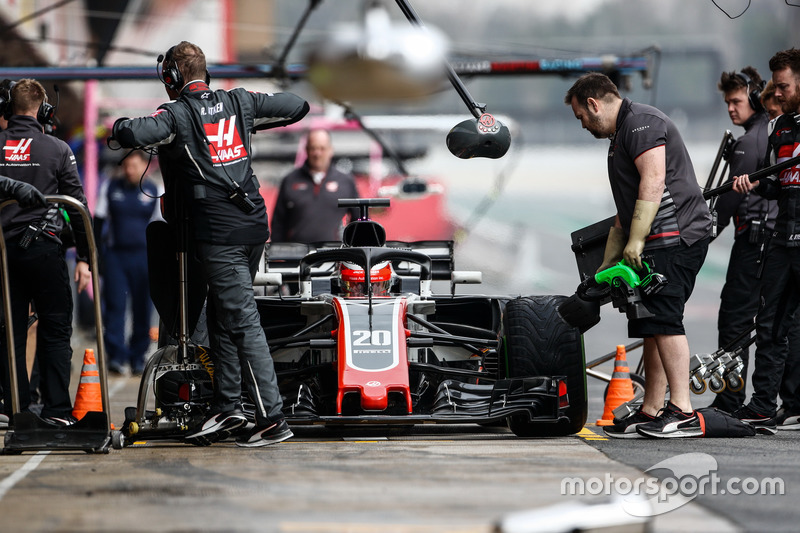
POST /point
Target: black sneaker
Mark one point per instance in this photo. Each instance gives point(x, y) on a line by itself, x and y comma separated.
point(789, 422)
point(263, 436)
point(672, 423)
point(764, 424)
point(61, 421)
point(216, 428)
point(626, 427)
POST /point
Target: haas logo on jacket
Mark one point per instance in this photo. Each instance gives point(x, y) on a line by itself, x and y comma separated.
point(225, 144)
point(18, 151)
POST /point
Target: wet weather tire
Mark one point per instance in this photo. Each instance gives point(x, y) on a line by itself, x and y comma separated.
point(539, 343)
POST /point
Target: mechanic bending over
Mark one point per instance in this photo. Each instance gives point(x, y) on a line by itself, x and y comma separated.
point(37, 267)
point(661, 214)
point(782, 264)
point(203, 140)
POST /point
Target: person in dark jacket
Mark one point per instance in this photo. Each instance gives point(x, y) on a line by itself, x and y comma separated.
point(125, 206)
point(306, 209)
point(37, 268)
point(26, 195)
point(753, 219)
point(782, 264)
point(203, 140)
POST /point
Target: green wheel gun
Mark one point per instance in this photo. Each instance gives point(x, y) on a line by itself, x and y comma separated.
point(625, 286)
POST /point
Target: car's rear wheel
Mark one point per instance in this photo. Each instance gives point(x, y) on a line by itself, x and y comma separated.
point(539, 343)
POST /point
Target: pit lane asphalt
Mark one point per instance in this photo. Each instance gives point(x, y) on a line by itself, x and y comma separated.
point(432, 478)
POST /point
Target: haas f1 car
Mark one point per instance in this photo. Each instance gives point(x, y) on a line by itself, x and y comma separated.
point(364, 340)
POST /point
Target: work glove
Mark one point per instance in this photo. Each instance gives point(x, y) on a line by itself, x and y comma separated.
point(643, 214)
point(25, 194)
point(114, 142)
point(615, 243)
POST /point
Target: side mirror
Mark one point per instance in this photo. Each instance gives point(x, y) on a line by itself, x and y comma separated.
point(482, 137)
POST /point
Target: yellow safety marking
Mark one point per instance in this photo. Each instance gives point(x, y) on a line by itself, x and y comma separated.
point(588, 434)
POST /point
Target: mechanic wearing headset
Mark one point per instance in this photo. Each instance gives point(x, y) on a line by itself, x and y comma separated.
point(37, 268)
point(661, 213)
point(782, 264)
point(203, 140)
point(753, 218)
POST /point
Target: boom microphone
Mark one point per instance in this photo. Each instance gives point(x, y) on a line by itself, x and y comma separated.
point(483, 137)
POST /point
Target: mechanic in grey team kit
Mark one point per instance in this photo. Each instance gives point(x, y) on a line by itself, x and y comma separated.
point(753, 219)
point(661, 219)
point(203, 140)
point(37, 266)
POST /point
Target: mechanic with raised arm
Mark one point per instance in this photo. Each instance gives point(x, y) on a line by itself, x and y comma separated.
point(782, 266)
point(203, 140)
point(307, 208)
point(37, 267)
point(661, 219)
point(753, 219)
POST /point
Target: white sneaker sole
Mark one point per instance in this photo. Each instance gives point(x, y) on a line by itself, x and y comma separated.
point(280, 437)
point(680, 433)
point(630, 435)
point(217, 432)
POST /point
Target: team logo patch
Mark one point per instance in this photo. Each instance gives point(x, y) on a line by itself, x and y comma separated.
point(225, 143)
point(332, 186)
point(18, 151)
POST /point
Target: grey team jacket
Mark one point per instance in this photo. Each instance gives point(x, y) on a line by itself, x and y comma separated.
point(197, 165)
point(48, 164)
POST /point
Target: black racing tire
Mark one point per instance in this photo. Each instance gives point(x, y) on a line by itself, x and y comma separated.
point(538, 342)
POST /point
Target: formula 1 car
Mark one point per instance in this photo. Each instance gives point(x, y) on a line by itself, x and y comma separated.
point(365, 340)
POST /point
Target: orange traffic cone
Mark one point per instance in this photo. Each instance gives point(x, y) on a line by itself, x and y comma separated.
point(620, 389)
point(88, 397)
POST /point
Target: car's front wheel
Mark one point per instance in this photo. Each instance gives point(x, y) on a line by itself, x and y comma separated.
point(539, 343)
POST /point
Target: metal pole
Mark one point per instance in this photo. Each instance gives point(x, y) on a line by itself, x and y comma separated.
point(474, 108)
point(101, 352)
point(93, 263)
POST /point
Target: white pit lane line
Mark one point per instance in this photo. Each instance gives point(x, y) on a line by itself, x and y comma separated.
point(30, 465)
point(8, 483)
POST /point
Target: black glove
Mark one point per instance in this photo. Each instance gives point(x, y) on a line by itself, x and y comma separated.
point(113, 142)
point(24, 193)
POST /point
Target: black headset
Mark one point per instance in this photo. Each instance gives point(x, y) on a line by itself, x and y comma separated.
point(5, 98)
point(170, 74)
point(754, 94)
point(45, 115)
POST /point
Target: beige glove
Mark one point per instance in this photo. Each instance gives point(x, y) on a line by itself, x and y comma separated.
point(643, 214)
point(614, 246)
